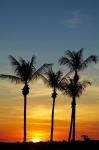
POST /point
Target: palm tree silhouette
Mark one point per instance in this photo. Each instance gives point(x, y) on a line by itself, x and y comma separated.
point(74, 90)
point(75, 62)
point(24, 73)
point(53, 80)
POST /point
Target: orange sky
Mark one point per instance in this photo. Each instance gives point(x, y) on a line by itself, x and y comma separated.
point(39, 107)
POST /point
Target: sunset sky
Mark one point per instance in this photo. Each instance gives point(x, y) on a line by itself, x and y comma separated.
point(46, 28)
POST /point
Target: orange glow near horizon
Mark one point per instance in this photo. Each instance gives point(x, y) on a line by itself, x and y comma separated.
point(35, 140)
point(37, 136)
point(39, 106)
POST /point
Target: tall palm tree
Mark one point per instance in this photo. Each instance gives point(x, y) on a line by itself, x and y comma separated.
point(74, 90)
point(53, 80)
point(24, 71)
point(75, 62)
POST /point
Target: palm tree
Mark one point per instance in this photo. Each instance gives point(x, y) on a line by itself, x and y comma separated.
point(24, 73)
point(53, 80)
point(74, 90)
point(75, 62)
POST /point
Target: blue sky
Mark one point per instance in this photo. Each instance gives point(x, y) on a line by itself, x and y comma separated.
point(46, 28)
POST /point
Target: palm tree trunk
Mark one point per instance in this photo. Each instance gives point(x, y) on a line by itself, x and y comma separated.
point(52, 122)
point(74, 117)
point(71, 125)
point(76, 78)
point(25, 91)
point(24, 118)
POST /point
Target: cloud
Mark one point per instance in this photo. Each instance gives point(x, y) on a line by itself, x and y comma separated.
point(75, 19)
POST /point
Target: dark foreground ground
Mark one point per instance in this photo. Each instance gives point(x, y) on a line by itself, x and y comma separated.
point(51, 146)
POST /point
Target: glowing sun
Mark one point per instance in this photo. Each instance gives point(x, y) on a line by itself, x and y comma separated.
point(35, 140)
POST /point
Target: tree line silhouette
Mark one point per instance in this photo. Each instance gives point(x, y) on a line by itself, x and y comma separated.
point(25, 71)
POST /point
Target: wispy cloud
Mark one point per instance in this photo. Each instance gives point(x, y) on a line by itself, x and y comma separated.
point(74, 19)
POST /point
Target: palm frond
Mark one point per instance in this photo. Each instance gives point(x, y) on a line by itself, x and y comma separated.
point(71, 88)
point(80, 52)
point(53, 79)
point(65, 77)
point(14, 62)
point(74, 60)
point(45, 68)
point(45, 80)
point(31, 68)
point(28, 69)
point(11, 78)
point(65, 61)
point(70, 60)
point(59, 75)
point(32, 62)
point(42, 70)
point(22, 61)
point(70, 54)
point(25, 70)
point(16, 65)
point(90, 59)
point(85, 83)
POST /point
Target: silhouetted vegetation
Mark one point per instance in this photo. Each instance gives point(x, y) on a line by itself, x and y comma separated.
point(74, 89)
point(24, 73)
point(75, 62)
point(86, 137)
point(53, 80)
point(50, 146)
